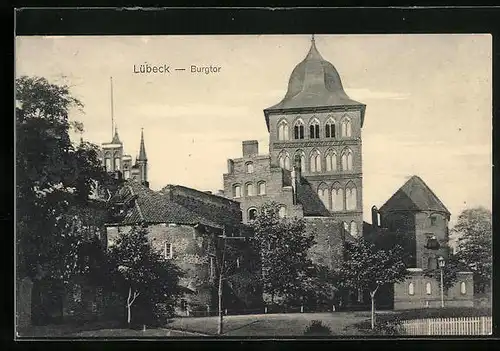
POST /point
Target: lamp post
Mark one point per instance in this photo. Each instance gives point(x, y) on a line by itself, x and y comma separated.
point(441, 266)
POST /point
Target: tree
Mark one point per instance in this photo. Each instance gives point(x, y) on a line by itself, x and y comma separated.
point(474, 231)
point(53, 176)
point(283, 244)
point(367, 267)
point(141, 271)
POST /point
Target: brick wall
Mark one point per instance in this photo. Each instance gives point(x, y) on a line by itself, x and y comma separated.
point(421, 299)
point(262, 172)
point(328, 250)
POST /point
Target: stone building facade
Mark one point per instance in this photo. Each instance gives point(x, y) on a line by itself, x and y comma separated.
point(417, 213)
point(185, 225)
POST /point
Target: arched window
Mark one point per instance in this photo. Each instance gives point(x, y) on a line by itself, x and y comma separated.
point(463, 288)
point(314, 129)
point(428, 288)
point(350, 197)
point(249, 167)
point(346, 128)
point(117, 163)
point(331, 161)
point(262, 188)
point(347, 160)
point(411, 289)
point(252, 214)
point(298, 129)
point(323, 195)
point(282, 212)
point(302, 160)
point(249, 189)
point(315, 161)
point(330, 128)
point(284, 160)
point(283, 130)
point(353, 229)
point(337, 198)
point(237, 191)
point(107, 161)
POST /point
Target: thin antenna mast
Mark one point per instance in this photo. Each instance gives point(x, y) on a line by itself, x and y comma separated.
point(112, 109)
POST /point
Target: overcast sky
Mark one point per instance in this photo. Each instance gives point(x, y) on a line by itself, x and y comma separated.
point(428, 97)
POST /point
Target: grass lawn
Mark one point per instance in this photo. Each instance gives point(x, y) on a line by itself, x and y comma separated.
point(270, 325)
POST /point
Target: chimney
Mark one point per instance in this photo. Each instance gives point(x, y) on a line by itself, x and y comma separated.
point(375, 222)
point(296, 176)
point(250, 148)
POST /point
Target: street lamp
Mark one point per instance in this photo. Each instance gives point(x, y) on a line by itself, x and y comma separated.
point(441, 266)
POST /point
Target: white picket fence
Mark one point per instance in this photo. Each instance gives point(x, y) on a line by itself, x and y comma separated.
point(448, 326)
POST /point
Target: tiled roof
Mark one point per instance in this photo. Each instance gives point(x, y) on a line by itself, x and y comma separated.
point(151, 207)
point(414, 195)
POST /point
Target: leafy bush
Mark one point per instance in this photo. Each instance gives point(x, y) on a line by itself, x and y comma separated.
point(317, 328)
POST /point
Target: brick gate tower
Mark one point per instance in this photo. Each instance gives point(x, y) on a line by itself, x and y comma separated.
point(317, 122)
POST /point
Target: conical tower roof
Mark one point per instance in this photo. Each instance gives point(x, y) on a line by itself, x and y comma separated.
point(142, 149)
point(116, 138)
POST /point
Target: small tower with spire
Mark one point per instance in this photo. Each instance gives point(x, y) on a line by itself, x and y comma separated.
point(142, 161)
point(140, 168)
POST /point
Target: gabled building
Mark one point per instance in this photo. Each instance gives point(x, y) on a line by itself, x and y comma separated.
point(185, 225)
point(416, 213)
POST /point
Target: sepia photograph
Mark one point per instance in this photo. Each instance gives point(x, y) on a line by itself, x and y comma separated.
point(257, 186)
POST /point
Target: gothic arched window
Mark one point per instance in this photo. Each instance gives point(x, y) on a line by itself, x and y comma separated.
point(252, 214)
point(262, 188)
point(330, 128)
point(346, 128)
point(315, 161)
point(298, 129)
point(337, 198)
point(249, 189)
point(331, 161)
point(347, 160)
point(284, 160)
point(350, 197)
point(107, 163)
point(323, 195)
point(283, 130)
point(314, 129)
point(428, 288)
point(117, 163)
point(302, 160)
point(353, 229)
point(463, 288)
point(237, 190)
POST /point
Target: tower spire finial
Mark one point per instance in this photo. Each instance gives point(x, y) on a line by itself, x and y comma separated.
point(112, 109)
point(312, 38)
